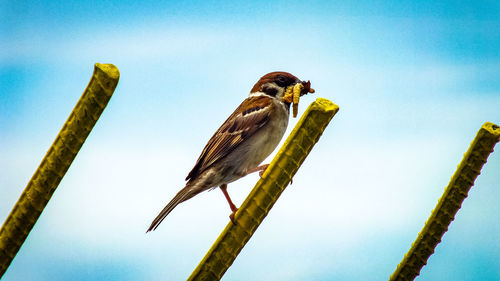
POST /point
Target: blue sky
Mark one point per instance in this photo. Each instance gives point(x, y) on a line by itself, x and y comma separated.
point(414, 82)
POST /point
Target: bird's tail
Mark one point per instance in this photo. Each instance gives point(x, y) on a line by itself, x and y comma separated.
point(184, 194)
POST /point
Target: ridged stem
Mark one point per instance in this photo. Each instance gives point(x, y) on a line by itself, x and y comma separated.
point(449, 203)
point(267, 190)
point(56, 162)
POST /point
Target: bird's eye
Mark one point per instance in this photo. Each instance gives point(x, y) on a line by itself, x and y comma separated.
point(281, 81)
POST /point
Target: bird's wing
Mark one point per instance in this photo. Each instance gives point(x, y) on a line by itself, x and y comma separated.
point(252, 114)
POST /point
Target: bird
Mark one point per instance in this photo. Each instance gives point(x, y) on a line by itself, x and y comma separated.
point(247, 137)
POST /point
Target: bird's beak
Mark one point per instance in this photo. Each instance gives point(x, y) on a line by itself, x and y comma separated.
point(307, 88)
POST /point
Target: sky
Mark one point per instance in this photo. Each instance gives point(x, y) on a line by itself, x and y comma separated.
point(414, 82)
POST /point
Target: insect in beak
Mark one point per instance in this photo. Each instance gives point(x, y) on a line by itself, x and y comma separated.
point(294, 92)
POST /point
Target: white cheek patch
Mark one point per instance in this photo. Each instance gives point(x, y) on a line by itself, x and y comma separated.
point(279, 90)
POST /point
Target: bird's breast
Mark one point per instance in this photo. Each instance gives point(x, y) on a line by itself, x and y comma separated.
point(268, 137)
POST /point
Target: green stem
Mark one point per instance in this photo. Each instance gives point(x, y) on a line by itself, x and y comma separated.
point(56, 162)
point(449, 204)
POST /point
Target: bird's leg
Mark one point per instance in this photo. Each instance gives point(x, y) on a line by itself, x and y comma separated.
point(261, 169)
point(223, 188)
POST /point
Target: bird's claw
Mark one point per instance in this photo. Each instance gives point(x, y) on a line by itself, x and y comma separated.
point(231, 217)
point(261, 169)
point(261, 173)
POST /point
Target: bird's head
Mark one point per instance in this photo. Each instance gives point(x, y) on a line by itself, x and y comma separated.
point(274, 84)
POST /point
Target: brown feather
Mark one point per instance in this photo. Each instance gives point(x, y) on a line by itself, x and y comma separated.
point(247, 119)
point(184, 194)
point(270, 77)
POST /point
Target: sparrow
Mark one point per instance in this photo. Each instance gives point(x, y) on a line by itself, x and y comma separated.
point(245, 139)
